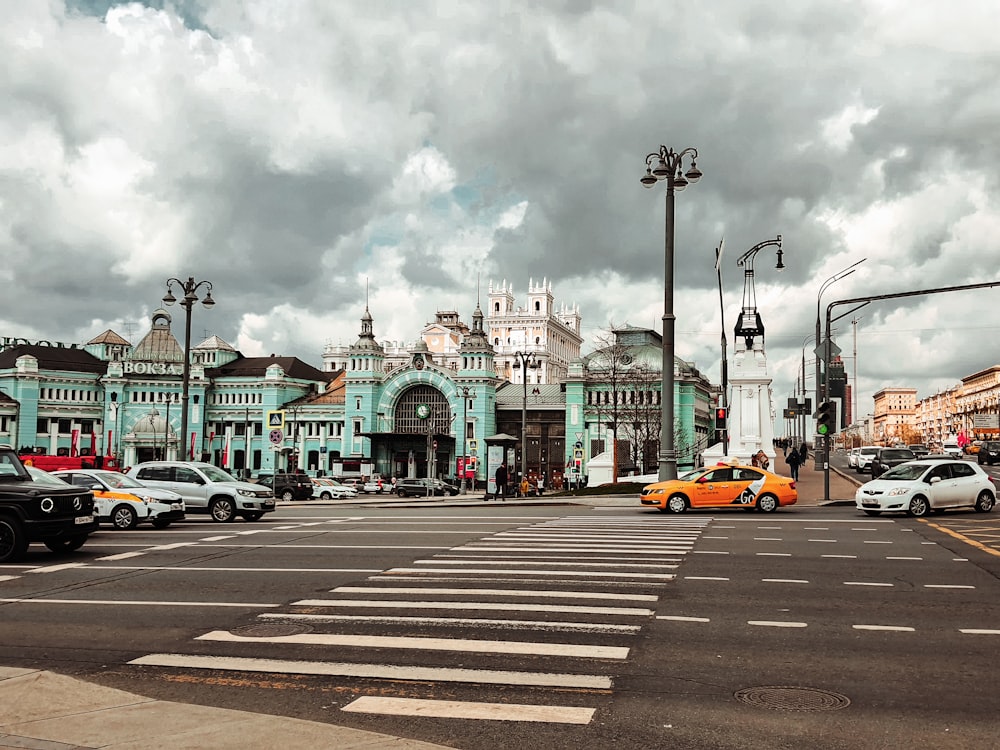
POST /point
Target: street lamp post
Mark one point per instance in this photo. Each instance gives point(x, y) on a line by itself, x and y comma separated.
point(190, 289)
point(153, 414)
point(467, 392)
point(666, 164)
point(822, 387)
point(523, 361)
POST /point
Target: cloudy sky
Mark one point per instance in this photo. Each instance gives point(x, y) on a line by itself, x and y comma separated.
point(301, 152)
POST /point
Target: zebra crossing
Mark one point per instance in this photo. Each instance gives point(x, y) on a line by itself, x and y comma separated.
point(549, 606)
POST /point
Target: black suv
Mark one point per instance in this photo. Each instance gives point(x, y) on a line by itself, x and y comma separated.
point(420, 487)
point(288, 486)
point(989, 452)
point(36, 507)
point(885, 458)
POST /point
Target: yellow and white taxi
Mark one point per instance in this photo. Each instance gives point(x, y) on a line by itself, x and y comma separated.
point(722, 486)
point(124, 502)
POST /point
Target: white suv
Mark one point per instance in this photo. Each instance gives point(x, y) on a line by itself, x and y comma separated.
point(207, 488)
point(865, 455)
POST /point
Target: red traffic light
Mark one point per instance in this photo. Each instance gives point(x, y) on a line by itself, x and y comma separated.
point(720, 417)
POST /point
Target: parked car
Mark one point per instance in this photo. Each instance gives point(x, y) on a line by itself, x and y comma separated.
point(372, 487)
point(38, 507)
point(125, 502)
point(918, 487)
point(865, 455)
point(989, 452)
point(448, 487)
point(919, 449)
point(420, 487)
point(887, 458)
point(288, 486)
point(207, 489)
point(325, 488)
point(728, 486)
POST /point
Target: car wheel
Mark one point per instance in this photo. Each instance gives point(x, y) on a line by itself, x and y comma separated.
point(677, 503)
point(287, 495)
point(873, 513)
point(71, 544)
point(222, 510)
point(123, 518)
point(13, 542)
point(984, 503)
point(160, 523)
point(325, 496)
point(767, 503)
point(253, 515)
point(918, 507)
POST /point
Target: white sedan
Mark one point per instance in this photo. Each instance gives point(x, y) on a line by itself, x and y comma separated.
point(918, 487)
point(325, 488)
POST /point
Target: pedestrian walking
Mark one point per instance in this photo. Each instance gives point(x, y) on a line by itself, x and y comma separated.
point(761, 459)
point(793, 461)
point(541, 484)
point(501, 478)
point(803, 453)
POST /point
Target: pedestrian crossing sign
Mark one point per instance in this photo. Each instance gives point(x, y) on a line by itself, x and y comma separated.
point(276, 420)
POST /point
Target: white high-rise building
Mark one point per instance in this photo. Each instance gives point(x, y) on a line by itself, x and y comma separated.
point(553, 335)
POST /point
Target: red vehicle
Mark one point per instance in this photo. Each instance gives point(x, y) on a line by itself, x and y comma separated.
point(46, 462)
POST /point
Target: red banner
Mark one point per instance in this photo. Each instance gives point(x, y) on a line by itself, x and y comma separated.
point(74, 449)
point(192, 446)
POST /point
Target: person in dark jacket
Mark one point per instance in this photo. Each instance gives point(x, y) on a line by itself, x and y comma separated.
point(501, 477)
point(793, 461)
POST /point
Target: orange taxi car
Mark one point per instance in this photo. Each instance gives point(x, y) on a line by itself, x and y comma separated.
point(722, 486)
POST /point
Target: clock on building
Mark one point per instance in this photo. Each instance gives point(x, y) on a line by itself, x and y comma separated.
point(423, 411)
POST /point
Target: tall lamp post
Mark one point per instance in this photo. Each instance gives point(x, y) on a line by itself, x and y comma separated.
point(467, 392)
point(822, 388)
point(190, 289)
point(153, 414)
point(666, 164)
point(523, 361)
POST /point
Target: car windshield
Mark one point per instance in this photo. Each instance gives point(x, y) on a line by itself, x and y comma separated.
point(215, 474)
point(117, 481)
point(43, 477)
point(992, 445)
point(895, 455)
point(868, 451)
point(11, 468)
point(910, 472)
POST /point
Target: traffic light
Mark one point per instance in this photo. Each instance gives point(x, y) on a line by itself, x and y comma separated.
point(826, 418)
point(720, 417)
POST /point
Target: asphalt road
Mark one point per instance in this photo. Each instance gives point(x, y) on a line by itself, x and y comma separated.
point(545, 627)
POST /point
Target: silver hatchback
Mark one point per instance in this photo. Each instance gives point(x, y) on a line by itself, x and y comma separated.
point(918, 487)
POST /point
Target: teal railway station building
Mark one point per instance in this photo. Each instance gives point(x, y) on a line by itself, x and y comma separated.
point(410, 414)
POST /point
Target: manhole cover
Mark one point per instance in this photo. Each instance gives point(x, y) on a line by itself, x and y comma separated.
point(270, 630)
point(793, 698)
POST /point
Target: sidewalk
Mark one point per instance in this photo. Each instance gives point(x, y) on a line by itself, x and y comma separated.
point(47, 711)
point(810, 483)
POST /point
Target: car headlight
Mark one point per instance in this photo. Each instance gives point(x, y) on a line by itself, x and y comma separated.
point(246, 493)
point(897, 491)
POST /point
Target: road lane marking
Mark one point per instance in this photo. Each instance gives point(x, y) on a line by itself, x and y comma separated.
point(8, 578)
point(773, 554)
point(540, 572)
point(767, 539)
point(889, 557)
point(138, 603)
point(377, 671)
point(573, 564)
point(679, 618)
point(371, 704)
point(777, 624)
point(122, 556)
point(866, 583)
point(976, 631)
point(842, 557)
point(205, 569)
point(961, 537)
point(707, 552)
point(490, 606)
point(496, 592)
point(889, 628)
point(947, 586)
point(466, 549)
point(467, 645)
point(823, 541)
point(875, 541)
point(57, 568)
point(705, 578)
point(217, 538)
point(581, 627)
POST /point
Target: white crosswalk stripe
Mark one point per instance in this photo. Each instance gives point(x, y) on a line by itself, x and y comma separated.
point(598, 580)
